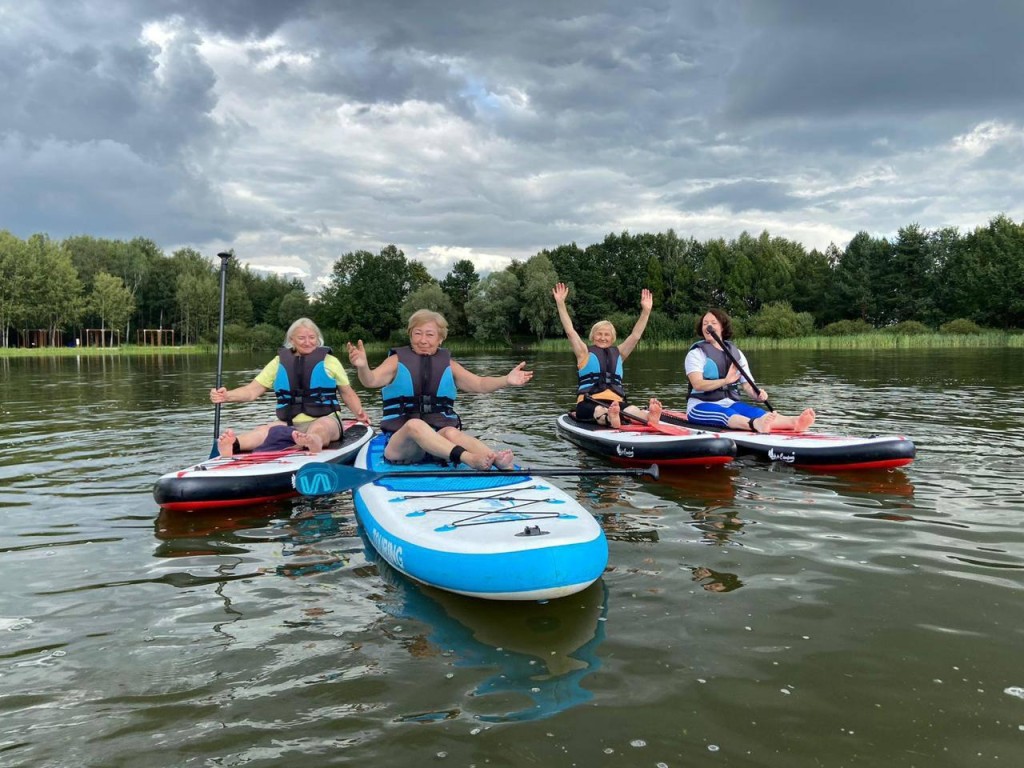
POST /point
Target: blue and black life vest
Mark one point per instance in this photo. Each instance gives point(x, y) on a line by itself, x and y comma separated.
point(715, 367)
point(602, 372)
point(423, 388)
point(302, 385)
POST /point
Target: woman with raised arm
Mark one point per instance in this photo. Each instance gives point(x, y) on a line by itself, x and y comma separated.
point(419, 384)
point(601, 397)
point(713, 379)
point(306, 378)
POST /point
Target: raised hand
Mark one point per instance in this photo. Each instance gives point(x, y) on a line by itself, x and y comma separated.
point(646, 299)
point(357, 354)
point(560, 292)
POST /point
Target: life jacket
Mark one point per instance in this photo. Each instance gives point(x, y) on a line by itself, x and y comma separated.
point(602, 372)
point(303, 386)
point(715, 367)
point(423, 388)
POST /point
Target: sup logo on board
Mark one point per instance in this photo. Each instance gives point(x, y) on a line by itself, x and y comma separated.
point(775, 455)
point(626, 452)
point(314, 480)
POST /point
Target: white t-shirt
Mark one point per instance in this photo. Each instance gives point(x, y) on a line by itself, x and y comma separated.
point(697, 361)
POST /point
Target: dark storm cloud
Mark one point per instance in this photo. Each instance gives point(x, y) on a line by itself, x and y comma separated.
point(820, 59)
point(737, 196)
point(298, 131)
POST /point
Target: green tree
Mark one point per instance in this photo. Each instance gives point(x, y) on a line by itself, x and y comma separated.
point(538, 307)
point(856, 275)
point(367, 290)
point(428, 296)
point(459, 284)
point(53, 292)
point(111, 302)
point(293, 305)
point(493, 309)
point(777, 320)
point(15, 268)
point(197, 294)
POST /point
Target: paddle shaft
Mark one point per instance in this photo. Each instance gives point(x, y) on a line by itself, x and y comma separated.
point(322, 479)
point(220, 349)
point(623, 413)
point(718, 339)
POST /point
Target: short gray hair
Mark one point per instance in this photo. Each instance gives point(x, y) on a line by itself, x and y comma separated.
point(302, 322)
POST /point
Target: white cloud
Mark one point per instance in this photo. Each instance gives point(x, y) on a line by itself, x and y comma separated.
point(295, 133)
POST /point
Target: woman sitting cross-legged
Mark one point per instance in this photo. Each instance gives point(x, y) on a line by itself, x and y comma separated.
point(419, 384)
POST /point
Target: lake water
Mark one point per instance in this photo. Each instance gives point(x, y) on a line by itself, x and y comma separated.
point(751, 615)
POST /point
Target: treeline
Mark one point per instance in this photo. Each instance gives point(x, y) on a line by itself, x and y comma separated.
point(772, 286)
point(53, 292)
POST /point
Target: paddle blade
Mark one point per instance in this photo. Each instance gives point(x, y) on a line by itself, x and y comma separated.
point(322, 479)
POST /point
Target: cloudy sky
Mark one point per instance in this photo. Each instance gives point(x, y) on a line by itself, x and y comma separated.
point(297, 131)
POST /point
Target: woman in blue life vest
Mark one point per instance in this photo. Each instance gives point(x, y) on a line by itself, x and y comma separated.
point(419, 384)
point(713, 379)
point(306, 378)
point(601, 397)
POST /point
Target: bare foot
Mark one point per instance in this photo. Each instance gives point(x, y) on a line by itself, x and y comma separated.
point(312, 443)
point(614, 417)
point(763, 424)
point(478, 460)
point(226, 443)
point(504, 459)
point(804, 420)
point(654, 411)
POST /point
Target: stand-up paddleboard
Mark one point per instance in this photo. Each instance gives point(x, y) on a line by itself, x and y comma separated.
point(250, 478)
point(817, 450)
point(494, 535)
point(640, 445)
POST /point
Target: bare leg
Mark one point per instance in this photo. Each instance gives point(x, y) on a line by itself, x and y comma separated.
point(226, 443)
point(804, 420)
point(504, 459)
point(416, 438)
point(795, 423)
point(765, 424)
point(614, 416)
point(654, 411)
point(310, 441)
point(478, 455)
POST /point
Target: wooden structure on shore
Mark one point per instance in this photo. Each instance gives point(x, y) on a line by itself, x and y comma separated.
point(154, 337)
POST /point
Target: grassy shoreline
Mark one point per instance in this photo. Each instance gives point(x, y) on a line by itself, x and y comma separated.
point(878, 340)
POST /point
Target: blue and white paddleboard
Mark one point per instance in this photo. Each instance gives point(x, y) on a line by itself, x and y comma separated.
point(494, 536)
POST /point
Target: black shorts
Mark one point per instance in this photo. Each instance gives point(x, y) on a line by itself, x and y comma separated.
point(585, 409)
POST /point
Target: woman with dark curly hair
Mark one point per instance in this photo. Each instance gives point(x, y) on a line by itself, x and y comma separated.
point(713, 378)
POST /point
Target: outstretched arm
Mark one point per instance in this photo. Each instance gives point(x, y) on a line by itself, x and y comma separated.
point(468, 381)
point(245, 394)
point(646, 304)
point(579, 348)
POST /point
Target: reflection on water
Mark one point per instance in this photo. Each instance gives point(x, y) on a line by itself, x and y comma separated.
point(535, 655)
point(786, 618)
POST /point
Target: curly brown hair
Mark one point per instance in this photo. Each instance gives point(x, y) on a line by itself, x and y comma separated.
point(722, 317)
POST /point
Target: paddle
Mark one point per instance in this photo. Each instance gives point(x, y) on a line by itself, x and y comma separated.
point(215, 451)
point(714, 335)
point(322, 479)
